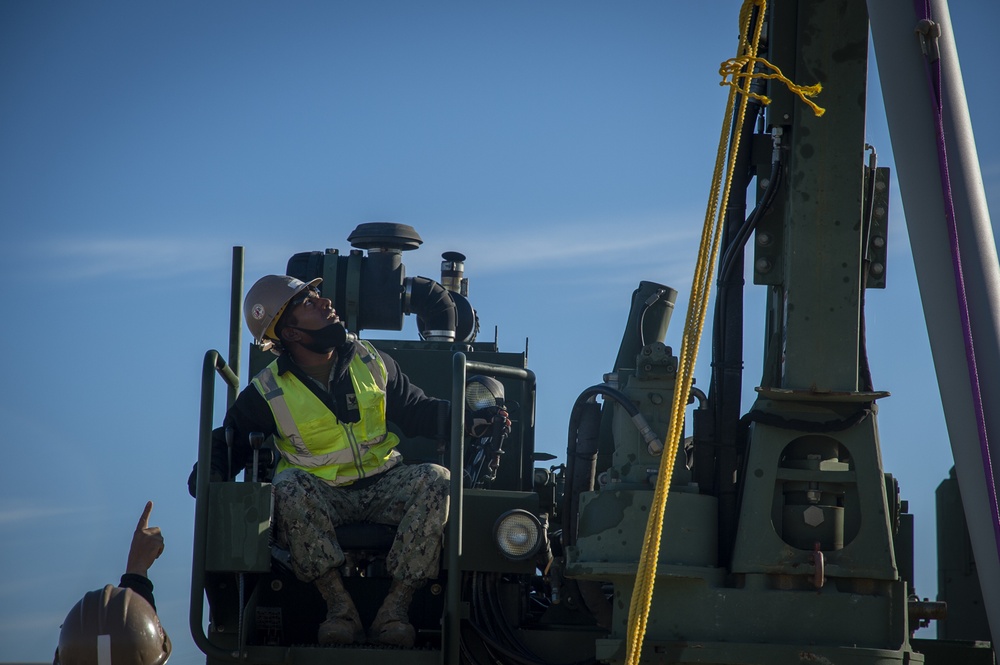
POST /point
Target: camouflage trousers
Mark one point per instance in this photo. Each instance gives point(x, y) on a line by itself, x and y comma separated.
point(413, 497)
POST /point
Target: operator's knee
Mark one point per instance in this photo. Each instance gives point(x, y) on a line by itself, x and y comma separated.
point(304, 524)
point(433, 491)
point(434, 475)
point(294, 486)
point(289, 478)
point(416, 552)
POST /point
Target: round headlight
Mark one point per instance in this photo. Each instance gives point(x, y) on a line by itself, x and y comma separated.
point(518, 534)
point(482, 392)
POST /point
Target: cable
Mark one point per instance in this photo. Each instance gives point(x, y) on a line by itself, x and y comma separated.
point(650, 301)
point(864, 367)
point(487, 614)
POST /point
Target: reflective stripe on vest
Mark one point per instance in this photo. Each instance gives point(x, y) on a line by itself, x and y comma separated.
point(311, 438)
point(370, 357)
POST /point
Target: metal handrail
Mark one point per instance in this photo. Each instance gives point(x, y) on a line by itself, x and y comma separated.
point(214, 363)
point(235, 321)
point(460, 369)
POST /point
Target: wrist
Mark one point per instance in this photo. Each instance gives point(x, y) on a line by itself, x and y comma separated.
point(137, 569)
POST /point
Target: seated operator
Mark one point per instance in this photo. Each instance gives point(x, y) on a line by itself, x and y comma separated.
point(119, 624)
point(326, 400)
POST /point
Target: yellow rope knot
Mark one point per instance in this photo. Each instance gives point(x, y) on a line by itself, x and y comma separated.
point(734, 68)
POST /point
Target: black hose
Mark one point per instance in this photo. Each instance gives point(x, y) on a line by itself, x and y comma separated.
point(733, 252)
point(727, 335)
point(584, 468)
point(488, 620)
point(735, 249)
point(585, 425)
point(576, 415)
point(492, 592)
point(743, 235)
point(507, 653)
point(479, 603)
point(467, 653)
point(437, 316)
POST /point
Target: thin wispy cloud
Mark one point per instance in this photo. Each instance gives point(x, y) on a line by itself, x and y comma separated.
point(131, 258)
point(559, 243)
point(144, 258)
point(53, 580)
point(16, 625)
point(10, 515)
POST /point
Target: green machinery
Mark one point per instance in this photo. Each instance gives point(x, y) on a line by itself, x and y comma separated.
point(784, 540)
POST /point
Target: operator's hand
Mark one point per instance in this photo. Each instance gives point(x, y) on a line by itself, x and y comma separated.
point(478, 423)
point(147, 544)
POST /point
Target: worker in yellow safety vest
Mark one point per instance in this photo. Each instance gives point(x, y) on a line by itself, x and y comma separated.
point(326, 400)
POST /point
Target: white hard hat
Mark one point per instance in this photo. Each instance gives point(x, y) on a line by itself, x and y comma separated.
point(266, 301)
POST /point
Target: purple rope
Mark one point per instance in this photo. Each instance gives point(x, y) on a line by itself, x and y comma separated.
point(923, 10)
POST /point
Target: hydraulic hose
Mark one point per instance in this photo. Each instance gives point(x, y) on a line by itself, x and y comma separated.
point(585, 425)
point(576, 416)
point(727, 331)
point(494, 629)
point(585, 428)
point(739, 244)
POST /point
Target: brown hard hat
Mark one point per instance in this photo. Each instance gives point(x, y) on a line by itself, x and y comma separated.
point(266, 301)
point(112, 626)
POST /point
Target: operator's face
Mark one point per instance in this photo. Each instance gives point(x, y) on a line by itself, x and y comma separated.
point(310, 311)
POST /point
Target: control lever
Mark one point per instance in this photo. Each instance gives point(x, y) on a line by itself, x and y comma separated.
point(256, 441)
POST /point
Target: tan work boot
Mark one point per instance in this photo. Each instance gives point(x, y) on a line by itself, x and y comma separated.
point(392, 623)
point(342, 625)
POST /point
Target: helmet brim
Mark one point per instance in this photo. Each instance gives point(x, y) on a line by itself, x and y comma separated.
point(269, 333)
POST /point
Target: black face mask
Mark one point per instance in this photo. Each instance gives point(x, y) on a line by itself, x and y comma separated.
point(326, 339)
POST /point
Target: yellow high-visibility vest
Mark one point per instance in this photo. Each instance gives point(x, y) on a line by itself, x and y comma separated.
point(311, 438)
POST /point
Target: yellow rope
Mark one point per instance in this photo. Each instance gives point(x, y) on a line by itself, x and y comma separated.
point(743, 68)
point(642, 593)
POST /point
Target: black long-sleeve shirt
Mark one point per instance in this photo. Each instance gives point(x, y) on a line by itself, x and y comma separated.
point(140, 584)
point(407, 406)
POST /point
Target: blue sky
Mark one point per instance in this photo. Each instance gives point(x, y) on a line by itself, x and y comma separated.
point(565, 147)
